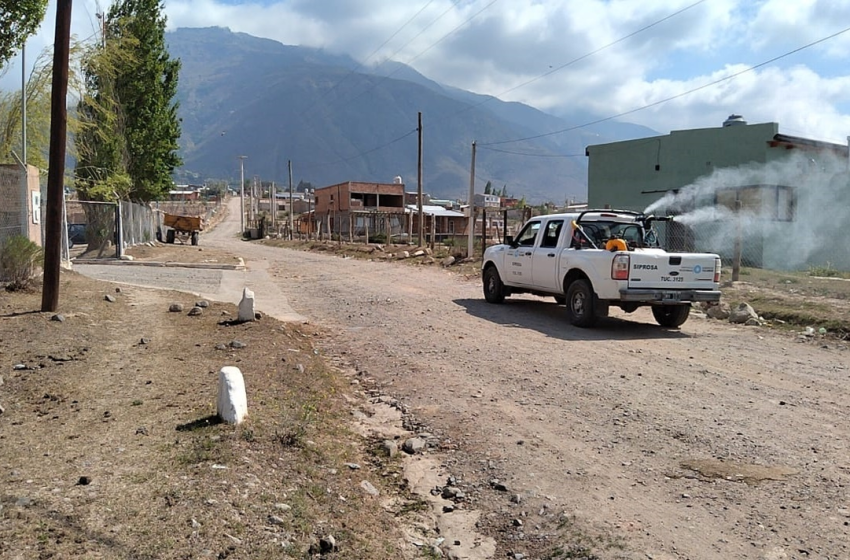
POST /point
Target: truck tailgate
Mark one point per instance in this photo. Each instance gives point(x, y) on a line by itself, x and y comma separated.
point(671, 271)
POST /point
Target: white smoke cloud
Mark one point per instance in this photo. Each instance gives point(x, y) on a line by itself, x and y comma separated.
point(799, 219)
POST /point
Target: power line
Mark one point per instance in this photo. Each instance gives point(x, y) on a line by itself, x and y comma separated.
point(476, 14)
point(360, 154)
point(665, 100)
point(431, 46)
point(362, 64)
point(444, 37)
point(529, 154)
point(580, 58)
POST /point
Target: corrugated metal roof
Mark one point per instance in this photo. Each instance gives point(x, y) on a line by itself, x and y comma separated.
point(435, 211)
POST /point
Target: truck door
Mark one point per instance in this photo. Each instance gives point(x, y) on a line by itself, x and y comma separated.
point(518, 258)
point(544, 266)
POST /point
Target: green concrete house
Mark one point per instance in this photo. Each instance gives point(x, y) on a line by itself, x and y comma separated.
point(737, 180)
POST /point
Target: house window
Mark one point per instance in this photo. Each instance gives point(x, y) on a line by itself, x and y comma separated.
point(772, 202)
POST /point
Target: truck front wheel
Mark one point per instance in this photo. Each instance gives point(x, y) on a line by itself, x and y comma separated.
point(671, 316)
point(581, 308)
point(494, 290)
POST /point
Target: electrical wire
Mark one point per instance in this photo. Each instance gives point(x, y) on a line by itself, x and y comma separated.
point(363, 63)
point(476, 14)
point(450, 33)
point(360, 154)
point(578, 59)
point(431, 46)
point(671, 98)
point(484, 147)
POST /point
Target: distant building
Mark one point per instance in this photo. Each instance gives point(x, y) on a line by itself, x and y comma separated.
point(487, 201)
point(353, 207)
point(508, 202)
point(788, 191)
point(184, 193)
point(438, 220)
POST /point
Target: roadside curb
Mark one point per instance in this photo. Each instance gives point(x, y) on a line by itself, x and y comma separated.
point(211, 266)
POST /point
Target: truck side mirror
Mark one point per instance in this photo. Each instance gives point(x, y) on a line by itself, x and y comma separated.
point(509, 240)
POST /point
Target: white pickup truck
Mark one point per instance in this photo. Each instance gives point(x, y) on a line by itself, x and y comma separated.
point(598, 258)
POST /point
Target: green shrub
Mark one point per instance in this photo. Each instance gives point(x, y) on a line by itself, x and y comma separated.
point(19, 259)
point(826, 271)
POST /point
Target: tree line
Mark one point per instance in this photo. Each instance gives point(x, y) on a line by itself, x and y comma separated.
point(124, 128)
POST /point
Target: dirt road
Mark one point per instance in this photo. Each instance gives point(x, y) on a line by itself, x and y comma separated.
point(708, 442)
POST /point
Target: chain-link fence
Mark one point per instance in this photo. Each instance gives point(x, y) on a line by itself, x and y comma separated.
point(92, 227)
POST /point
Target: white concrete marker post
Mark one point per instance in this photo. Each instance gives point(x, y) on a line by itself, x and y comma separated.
point(232, 406)
point(246, 306)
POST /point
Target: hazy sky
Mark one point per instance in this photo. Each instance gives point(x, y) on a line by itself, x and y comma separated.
point(606, 57)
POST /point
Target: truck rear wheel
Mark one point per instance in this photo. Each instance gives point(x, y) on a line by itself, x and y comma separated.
point(494, 290)
point(581, 307)
point(170, 236)
point(194, 238)
point(671, 316)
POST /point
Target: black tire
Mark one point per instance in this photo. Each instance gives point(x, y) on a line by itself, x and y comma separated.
point(494, 290)
point(581, 305)
point(671, 316)
point(170, 236)
point(561, 300)
point(194, 238)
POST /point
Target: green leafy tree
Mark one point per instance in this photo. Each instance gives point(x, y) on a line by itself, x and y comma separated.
point(38, 116)
point(38, 88)
point(21, 19)
point(488, 188)
point(101, 142)
point(132, 124)
point(216, 188)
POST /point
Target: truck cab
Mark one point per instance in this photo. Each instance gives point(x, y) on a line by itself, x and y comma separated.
point(598, 258)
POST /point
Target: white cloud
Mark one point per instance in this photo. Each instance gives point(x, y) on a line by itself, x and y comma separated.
point(491, 47)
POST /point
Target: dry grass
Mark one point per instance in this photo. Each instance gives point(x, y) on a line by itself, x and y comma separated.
point(111, 448)
point(794, 299)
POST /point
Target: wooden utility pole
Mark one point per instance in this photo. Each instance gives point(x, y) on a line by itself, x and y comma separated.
point(419, 180)
point(56, 171)
point(291, 208)
point(471, 205)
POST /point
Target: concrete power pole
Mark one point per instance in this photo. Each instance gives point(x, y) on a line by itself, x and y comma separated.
point(289, 162)
point(242, 194)
point(471, 205)
point(419, 180)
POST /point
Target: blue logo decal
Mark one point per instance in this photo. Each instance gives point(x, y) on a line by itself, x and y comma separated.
point(697, 269)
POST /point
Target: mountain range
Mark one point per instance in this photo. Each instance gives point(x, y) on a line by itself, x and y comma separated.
point(336, 120)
